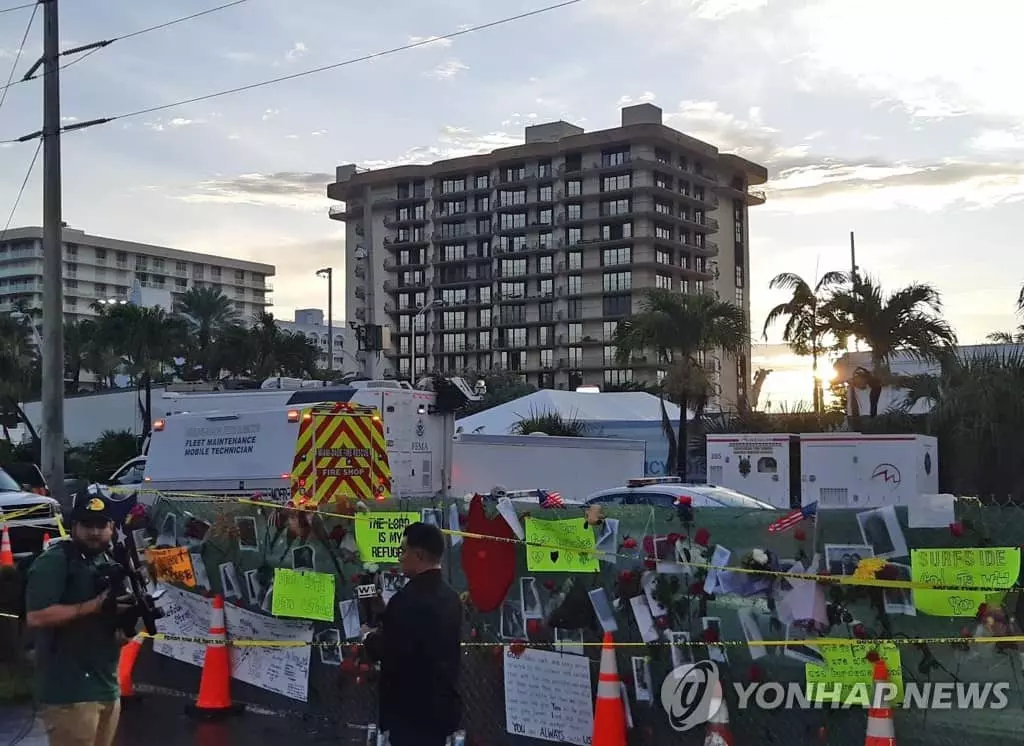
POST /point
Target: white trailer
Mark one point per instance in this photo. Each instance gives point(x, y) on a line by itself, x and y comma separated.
point(573, 467)
point(853, 470)
point(759, 465)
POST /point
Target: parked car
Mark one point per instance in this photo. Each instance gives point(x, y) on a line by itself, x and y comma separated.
point(664, 492)
point(29, 476)
point(27, 532)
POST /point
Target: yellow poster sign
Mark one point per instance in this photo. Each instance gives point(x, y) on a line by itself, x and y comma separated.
point(379, 535)
point(848, 676)
point(991, 568)
point(560, 546)
point(172, 566)
point(303, 595)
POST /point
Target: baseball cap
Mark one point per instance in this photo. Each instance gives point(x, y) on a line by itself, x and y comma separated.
point(91, 506)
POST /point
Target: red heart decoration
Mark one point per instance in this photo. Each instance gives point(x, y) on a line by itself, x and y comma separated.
point(490, 566)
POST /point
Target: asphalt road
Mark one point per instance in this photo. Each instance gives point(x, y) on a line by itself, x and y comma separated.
point(163, 719)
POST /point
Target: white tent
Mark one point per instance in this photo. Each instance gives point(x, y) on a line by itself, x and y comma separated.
point(595, 409)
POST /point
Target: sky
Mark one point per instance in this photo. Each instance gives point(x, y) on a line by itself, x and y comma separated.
point(897, 120)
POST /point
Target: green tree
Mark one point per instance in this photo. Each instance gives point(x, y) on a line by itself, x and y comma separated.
point(550, 423)
point(907, 321)
point(681, 330)
point(78, 351)
point(297, 355)
point(806, 328)
point(20, 371)
point(208, 313)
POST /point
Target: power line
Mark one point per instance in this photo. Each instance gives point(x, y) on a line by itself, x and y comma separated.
point(17, 57)
point(313, 71)
point(107, 42)
point(21, 191)
point(18, 7)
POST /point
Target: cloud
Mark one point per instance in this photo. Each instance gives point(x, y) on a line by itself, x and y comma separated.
point(992, 140)
point(299, 50)
point(296, 190)
point(270, 114)
point(643, 98)
point(452, 142)
point(716, 10)
point(238, 56)
point(430, 41)
point(172, 124)
point(447, 69)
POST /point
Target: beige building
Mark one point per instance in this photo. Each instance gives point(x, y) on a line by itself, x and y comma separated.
point(107, 269)
point(528, 257)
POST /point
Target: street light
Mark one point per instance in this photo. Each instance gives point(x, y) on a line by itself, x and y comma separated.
point(436, 303)
point(328, 272)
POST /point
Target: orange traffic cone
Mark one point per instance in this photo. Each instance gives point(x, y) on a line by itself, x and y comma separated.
point(881, 731)
point(718, 732)
point(6, 555)
point(125, 667)
point(215, 685)
point(609, 714)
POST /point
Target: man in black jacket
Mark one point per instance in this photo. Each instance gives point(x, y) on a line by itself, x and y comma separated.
point(418, 647)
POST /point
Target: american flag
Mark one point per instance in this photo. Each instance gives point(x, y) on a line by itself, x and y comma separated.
point(549, 499)
point(788, 521)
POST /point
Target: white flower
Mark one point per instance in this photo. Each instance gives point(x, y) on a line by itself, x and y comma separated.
point(759, 556)
point(370, 567)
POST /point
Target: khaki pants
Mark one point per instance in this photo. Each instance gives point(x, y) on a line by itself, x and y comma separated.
point(82, 724)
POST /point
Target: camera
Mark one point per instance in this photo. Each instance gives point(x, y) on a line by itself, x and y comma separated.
point(116, 579)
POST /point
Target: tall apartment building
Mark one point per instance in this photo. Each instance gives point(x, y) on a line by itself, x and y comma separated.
point(103, 269)
point(527, 258)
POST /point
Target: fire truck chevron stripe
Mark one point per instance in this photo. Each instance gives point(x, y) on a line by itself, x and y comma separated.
point(342, 432)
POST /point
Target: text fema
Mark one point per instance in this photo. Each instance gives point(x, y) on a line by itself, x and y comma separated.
point(691, 695)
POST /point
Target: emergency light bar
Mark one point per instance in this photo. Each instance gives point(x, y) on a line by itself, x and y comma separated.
point(647, 481)
point(158, 426)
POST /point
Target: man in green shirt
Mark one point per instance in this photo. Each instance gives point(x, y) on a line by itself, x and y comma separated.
point(77, 641)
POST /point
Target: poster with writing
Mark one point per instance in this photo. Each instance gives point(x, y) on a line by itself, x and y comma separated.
point(989, 568)
point(303, 595)
point(379, 535)
point(848, 675)
point(283, 670)
point(560, 546)
point(172, 565)
point(548, 696)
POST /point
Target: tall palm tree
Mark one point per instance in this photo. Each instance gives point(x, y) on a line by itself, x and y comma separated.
point(77, 336)
point(680, 330)
point(208, 313)
point(806, 329)
point(906, 321)
point(266, 344)
point(19, 367)
point(297, 355)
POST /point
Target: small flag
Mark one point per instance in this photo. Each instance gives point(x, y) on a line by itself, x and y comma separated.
point(549, 499)
point(791, 519)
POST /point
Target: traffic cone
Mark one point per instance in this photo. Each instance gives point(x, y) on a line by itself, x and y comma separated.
point(6, 555)
point(125, 667)
point(609, 714)
point(718, 732)
point(46, 540)
point(215, 685)
point(881, 731)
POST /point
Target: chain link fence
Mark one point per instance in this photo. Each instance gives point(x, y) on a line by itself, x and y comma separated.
point(342, 698)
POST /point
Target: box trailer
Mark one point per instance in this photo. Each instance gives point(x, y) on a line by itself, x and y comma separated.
point(765, 466)
point(853, 470)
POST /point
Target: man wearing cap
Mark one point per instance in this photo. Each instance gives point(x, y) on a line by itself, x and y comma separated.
point(77, 641)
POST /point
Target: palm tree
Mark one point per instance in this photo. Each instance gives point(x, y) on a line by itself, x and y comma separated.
point(77, 336)
point(297, 355)
point(907, 321)
point(680, 330)
point(208, 313)
point(806, 328)
point(266, 344)
point(20, 372)
point(235, 351)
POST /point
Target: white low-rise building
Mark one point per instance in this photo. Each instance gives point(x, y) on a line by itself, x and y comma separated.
point(311, 322)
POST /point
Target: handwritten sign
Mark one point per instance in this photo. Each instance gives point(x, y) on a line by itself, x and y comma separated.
point(379, 535)
point(548, 696)
point(172, 566)
point(994, 567)
point(367, 591)
point(848, 676)
point(303, 595)
point(564, 546)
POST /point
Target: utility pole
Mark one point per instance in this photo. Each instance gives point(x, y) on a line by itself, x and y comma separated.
point(53, 261)
point(328, 272)
point(853, 258)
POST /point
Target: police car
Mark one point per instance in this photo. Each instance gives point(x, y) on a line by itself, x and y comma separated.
point(665, 492)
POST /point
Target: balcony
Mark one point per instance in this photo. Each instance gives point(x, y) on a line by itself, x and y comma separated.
point(390, 222)
point(392, 242)
point(345, 211)
point(382, 202)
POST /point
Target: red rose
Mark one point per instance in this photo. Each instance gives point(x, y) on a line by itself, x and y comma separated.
point(873, 657)
point(517, 648)
point(673, 539)
point(625, 576)
point(859, 632)
point(711, 635)
point(799, 534)
point(696, 589)
point(650, 564)
point(533, 626)
point(629, 543)
point(356, 579)
point(982, 611)
point(348, 665)
point(702, 537)
point(549, 584)
point(957, 529)
point(661, 622)
point(473, 633)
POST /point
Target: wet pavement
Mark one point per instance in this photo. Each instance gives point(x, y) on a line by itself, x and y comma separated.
point(163, 719)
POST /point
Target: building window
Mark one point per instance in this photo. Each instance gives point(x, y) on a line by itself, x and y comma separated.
point(545, 265)
point(574, 236)
point(739, 275)
point(544, 170)
point(574, 212)
point(454, 296)
point(485, 318)
point(507, 197)
point(545, 216)
point(663, 282)
point(454, 319)
point(575, 284)
point(453, 252)
point(574, 188)
point(482, 181)
point(546, 288)
point(455, 207)
point(545, 193)
point(664, 232)
point(662, 256)
point(575, 356)
point(617, 377)
point(609, 327)
point(616, 207)
point(614, 183)
point(665, 208)
point(662, 181)
point(616, 232)
point(450, 186)
point(610, 351)
point(513, 173)
point(616, 305)
point(547, 358)
point(616, 157)
point(512, 221)
point(512, 290)
point(513, 267)
point(575, 308)
point(575, 333)
point(547, 311)
point(615, 282)
point(544, 240)
point(575, 260)
point(611, 257)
